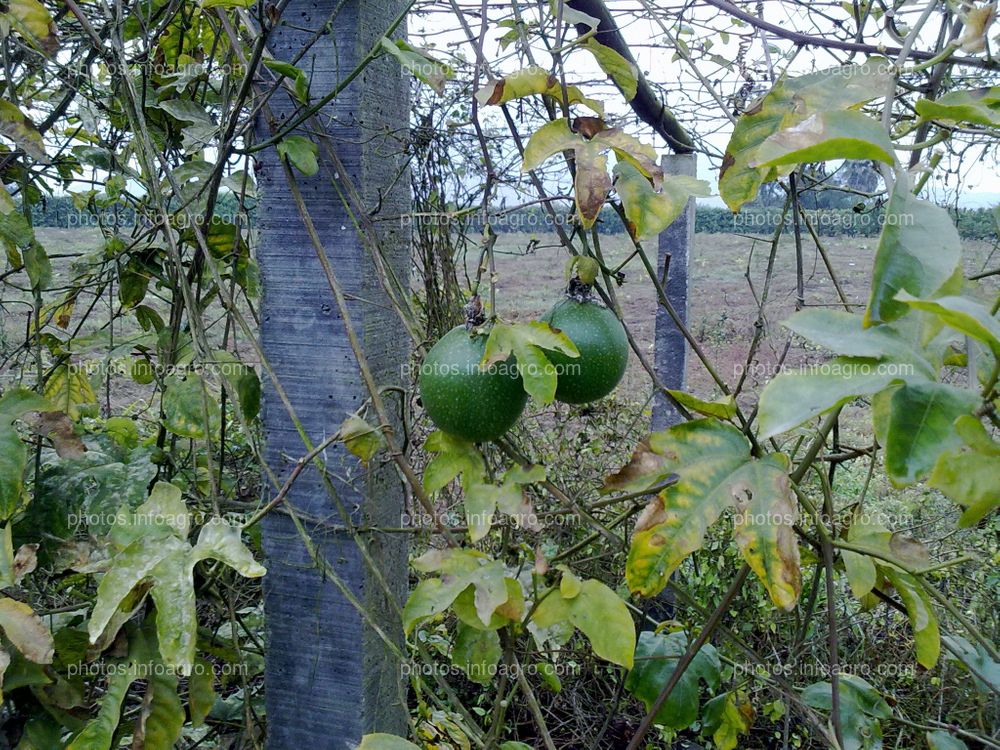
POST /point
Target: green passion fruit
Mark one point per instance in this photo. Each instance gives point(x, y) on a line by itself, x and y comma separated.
point(603, 346)
point(463, 398)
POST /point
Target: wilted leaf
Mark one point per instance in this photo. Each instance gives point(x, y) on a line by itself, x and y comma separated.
point(26, 631)
point(99, 731)
point(647, 468)
point(529, 81)
point(765, 514)
point(14, 124)
point(978, 20)
point(57, 427)
point(722, 408)
point(68, 389)
point(460, 569)
point(360, 438)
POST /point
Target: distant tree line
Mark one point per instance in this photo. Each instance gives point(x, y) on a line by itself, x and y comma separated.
point(758, 218)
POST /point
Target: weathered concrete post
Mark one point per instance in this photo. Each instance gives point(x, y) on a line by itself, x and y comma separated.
point(329, 678)
point(675, 244)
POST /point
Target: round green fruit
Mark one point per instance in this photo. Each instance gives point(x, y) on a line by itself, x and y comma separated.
point(603, 346)
point(465, 399)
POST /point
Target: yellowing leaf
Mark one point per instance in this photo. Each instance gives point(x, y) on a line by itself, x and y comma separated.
point(26, 631)
point(529, 81)
point(14, 124)
point(598, 613)
point(33, 22)
point(650, 212)
point(68, 389)
point(526, 341)
point(921, 614)
point(789, 102)
point(825, 136)
point(765, 514)
point(360, 438)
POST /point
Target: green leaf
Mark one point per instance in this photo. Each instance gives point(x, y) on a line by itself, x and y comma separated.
point(526, 342)
point(381, 741)
point(790, 102)
point(974, 106)
point(722, 408)
point(298, 76)
point(532, 81)
point(825, 136)
point(920, 428)
point(940, 740)
point(962, 314)
point(656, 657)
point(421, 65)
point(98, 733)
point(985, 672)
point(241, 383)
point(599, 613)
point(37, 266)
point(765, 514)
point(462, 569)
point(571, 15)
point(861, 707)
point(186, 400)
point(476, 652)
point(624, 73)
point(162, 717)
point(301, 153)
point(201, 691)
point(792, 398)
point(360, 438)
point(844, 333)
point(969, 475)
point(167, 562)
point(918, 251)
point(921, 614)
point(455, 457)
point(14, 124)
point(13, 462)
point(650, 212)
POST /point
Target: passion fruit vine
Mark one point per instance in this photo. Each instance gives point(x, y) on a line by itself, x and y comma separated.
point(463, 398)
point(603, 346)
